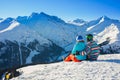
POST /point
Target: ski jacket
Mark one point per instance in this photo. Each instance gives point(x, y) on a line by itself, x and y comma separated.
point(92, 50)
point(79, 47)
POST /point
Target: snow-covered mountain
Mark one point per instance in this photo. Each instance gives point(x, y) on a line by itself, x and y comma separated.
point(103, 28)
point(5, 23)
point(1, 19)
point(78, 22)
point(38, 38)
point(41, 38)
point(101, 23)
point(106, 68)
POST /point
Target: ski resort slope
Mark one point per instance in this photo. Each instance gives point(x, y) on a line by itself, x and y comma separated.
point(106, 68)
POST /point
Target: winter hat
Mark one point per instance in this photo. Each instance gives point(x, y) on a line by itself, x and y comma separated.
point(79, 38)
point(89, 37)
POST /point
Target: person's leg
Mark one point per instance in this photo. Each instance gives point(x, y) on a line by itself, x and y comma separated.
point(67, 59)
point(73, 58)
point(87, 57)
point(76, 60)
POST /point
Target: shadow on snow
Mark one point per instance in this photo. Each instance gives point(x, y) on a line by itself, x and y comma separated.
point(110, 60)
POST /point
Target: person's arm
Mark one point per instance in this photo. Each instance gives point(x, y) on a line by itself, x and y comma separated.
point(88, 49)
point(105, 42)
point(74, 49)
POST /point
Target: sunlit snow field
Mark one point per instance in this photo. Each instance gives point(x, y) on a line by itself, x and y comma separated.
point(106, 68)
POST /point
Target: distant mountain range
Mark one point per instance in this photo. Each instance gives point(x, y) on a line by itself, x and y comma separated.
point(41, 38)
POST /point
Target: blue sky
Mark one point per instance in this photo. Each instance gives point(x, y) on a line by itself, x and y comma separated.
point(64, 9)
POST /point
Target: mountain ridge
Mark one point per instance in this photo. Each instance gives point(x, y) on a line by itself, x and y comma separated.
point(44, 38)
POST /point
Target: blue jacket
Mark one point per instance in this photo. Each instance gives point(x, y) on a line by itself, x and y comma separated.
point(79, 46)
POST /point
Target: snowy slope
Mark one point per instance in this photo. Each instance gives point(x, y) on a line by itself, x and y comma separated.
point(95, 23)
point(97, 26)
point(37, 38)
point(20, 33)
point(49, 27)
point(17, 35)
point(103, 28)
point(1, 20)
point(112, 31)
point(53, 28)
point(13, 25)
point(106, 68)
point(78, 22)
point(5, 23)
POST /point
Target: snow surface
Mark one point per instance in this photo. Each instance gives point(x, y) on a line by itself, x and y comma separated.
point(78, 22)
point(90, 27)
point(110, 31)
point(100, 21)
point(12, 26)
point(21, 33)
point(106, 68)
point(1, 20)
